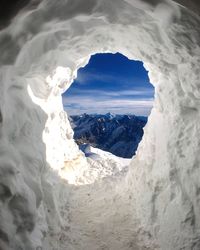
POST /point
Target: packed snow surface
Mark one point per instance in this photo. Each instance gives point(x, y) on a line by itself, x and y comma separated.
point(52, 196)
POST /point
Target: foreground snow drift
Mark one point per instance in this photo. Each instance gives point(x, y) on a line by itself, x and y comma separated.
point(102, 164)
point(155, 204)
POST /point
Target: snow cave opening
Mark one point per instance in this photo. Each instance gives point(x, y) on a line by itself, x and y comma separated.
point(156, 206)
point(108, 104)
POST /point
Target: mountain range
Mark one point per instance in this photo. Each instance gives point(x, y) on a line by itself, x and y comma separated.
point(117, 134)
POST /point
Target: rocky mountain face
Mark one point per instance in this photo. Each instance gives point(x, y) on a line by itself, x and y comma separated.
point(118, 134)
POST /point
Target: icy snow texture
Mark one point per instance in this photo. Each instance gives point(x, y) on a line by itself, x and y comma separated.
point(156, 204)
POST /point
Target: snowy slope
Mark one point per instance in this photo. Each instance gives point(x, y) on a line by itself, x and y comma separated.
point(155, 203)
point(102, 164)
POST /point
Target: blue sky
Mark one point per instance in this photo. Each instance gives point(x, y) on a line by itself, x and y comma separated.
point(110, 83)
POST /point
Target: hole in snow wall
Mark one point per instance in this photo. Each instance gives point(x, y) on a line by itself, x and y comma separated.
point(109, 103)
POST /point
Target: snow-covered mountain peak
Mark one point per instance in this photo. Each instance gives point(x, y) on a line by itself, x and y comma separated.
point(118, 134)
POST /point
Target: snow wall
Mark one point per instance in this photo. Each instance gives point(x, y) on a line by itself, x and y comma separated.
point(48, 200)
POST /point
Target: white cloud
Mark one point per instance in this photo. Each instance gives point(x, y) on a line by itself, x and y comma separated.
point(95, 105)
point(117, 93)
point(86, 77)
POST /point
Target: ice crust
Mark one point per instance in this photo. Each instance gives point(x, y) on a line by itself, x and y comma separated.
point(54, 198)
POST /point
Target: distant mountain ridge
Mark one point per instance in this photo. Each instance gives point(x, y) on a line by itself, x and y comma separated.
point(118, 134)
